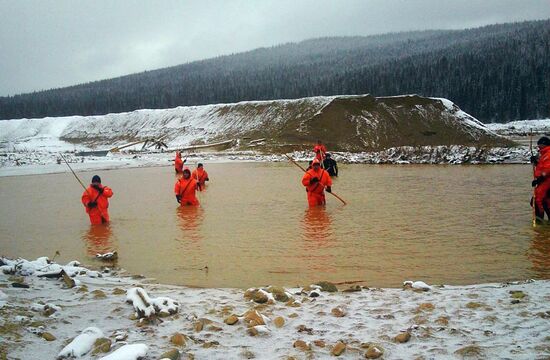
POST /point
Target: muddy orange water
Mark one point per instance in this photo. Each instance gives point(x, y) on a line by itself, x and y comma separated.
point(440, 224)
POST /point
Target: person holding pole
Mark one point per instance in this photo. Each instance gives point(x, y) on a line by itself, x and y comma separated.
point(316, 181)
point(96, 201)
point(178, 163)
point(541, 181)
point(320, 151)
point(309, 168)
point(329, 164)
point(185, 189)
point(201, 176)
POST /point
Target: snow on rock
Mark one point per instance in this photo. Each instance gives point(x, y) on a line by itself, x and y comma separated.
point(45, 308)
point(268, 295)
point(128, 352)
point(82, 344)
point(141, 302)
point(417, 285)
point(23, 267)
point(43, 267)
point(260, 330)
point(146, 306)
point(112, 255)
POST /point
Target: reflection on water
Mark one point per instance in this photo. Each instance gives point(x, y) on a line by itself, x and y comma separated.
point(189, 221)
point(98, 239)
point(317, 227)
point(317, 240)
point(440, 224)
point(539, 251)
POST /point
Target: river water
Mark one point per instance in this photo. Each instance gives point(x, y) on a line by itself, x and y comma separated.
point(439, 224)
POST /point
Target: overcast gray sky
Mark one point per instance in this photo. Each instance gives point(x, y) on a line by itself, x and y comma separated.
point(46, 43)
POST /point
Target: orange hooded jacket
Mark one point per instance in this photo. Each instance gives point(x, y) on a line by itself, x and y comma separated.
point(320, 150)
point(200, 175)
point(316, 191)
point(543, 169)
point(178, 163)
point(186, 188)
point(100, 213)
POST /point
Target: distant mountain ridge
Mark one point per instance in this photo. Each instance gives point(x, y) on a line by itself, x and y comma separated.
point(345, 123)
point(496, 73)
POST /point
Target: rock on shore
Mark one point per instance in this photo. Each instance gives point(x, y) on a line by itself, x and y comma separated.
point(508, 320)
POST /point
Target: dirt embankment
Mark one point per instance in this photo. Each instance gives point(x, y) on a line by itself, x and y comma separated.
point(345, 123)
point(367, 123)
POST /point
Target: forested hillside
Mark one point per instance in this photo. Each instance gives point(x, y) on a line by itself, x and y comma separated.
point(496, 73)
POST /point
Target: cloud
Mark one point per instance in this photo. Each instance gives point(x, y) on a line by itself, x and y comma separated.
point(46, 43)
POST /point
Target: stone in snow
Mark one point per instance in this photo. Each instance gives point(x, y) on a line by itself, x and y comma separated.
point(128, 352)
point(417, 285)
point(82, 344)
point(146, 306)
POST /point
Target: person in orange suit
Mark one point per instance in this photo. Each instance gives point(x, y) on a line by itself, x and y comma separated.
point(200, 175)
point(316, 180)
point(542, 178)
point(96, 201)
point(178, 163)
point(186, 188)
point(320, 151)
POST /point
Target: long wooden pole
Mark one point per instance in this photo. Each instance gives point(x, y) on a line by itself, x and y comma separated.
point(304, 170)
point(77, 178)
point(534, 212)
point(80, 181)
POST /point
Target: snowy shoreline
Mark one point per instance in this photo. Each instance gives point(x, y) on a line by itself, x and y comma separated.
point(509, 320)
point(46, 162)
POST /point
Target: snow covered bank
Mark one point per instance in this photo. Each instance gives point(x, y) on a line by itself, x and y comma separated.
point(345, 123)
point(522, 128)
point(44, 162)
point(385, 126)
point(508, 320)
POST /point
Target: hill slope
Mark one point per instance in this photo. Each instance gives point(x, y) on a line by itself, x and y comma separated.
point(497, 73)
point(344, 123)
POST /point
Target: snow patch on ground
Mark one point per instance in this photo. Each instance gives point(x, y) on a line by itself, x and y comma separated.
point(184, 125)
point(523, 127)
point(462, 116)
point(82, 344)
point(128, 352)
point(27, 163)
point(508, 320)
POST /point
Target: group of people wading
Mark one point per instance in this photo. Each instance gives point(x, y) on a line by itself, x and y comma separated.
point(316, 180)
point(189, 183)
point(95, 198)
